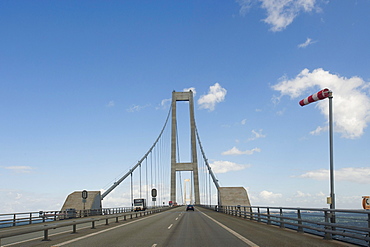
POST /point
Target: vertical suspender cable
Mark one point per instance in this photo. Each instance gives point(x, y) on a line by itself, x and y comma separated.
point(205, 189)
point(140, 181)
point(151, 171)
point(156, 170)
point(153, 167)
point(210, 190)
point(160, 172)
point(147, 182)
point(132, 194)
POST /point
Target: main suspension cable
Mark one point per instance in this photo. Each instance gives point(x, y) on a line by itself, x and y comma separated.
point(138, 163)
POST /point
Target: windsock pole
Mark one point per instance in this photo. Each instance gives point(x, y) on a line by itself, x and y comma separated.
point(323, 94)
point(332, 195)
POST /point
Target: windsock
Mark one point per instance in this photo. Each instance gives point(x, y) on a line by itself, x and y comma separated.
point(315, 97)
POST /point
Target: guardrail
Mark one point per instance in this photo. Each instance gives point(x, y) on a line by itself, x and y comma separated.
point(15, 231)
point(17, 219)
point(352, 226)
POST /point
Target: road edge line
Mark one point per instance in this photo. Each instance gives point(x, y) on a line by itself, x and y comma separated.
point(245, 240)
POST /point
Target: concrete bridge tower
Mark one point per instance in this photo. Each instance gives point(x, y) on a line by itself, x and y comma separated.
point(190, 166)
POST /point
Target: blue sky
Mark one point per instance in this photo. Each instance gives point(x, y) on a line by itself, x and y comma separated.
point(84, 89)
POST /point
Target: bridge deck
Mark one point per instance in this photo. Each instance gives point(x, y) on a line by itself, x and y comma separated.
point(175, 227)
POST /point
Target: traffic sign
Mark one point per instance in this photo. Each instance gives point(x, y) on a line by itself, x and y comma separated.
point(84, 194)
point(366, 202)
point(154, 192)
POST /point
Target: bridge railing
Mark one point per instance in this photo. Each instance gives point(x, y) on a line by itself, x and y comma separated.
point(45, 227)
point(351, 226)
point(17, 219)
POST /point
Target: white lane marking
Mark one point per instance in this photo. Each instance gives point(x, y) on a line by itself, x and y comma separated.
point(154, 245)
point(106, 230)
point(245, 240)
point(170, 227)
point(177, 218)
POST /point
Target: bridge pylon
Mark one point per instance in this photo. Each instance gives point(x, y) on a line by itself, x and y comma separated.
point(189, 166)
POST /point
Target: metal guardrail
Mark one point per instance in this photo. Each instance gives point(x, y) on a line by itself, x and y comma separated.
point(15, 231)
point(351, 226)
point(17, 219)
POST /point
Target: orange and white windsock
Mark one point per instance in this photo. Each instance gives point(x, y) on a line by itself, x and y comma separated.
point(315, 97)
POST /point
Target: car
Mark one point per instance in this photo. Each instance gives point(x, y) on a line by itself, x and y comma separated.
point(189, 207)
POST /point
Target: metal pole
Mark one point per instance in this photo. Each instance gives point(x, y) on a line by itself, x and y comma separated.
point(332, 195)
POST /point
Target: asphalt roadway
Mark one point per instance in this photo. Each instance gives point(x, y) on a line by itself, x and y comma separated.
point(175, 227)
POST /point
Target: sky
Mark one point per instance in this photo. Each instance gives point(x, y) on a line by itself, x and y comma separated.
point(85, 88)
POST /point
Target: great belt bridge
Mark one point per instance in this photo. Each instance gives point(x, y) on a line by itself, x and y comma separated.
point(223, 216)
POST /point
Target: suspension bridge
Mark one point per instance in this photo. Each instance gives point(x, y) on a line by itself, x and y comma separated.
point(167, 175)
point(158, 186)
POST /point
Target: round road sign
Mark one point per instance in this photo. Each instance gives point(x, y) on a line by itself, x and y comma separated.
point(366, 202)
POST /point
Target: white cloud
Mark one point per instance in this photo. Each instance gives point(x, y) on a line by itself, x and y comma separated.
point(306, 43)
point(280, 113)
point(13, 201)
point(351, 101)
point(110, 103)
point(256, 135)
point(318, 130)
point(321, 194)
point(190, 89)
point(116, 198)
point(270, 196)
point(216, 94)
point(301, 194)
point(243, 122)
point(321, 174)
point(165, 103)
point(235, 151)
point(298, 198)
point(302, 199)
point(135, 108)
point(226, 166)
point(245, 5)
point(351, 174)
point(19, 169)
point(280, 13)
